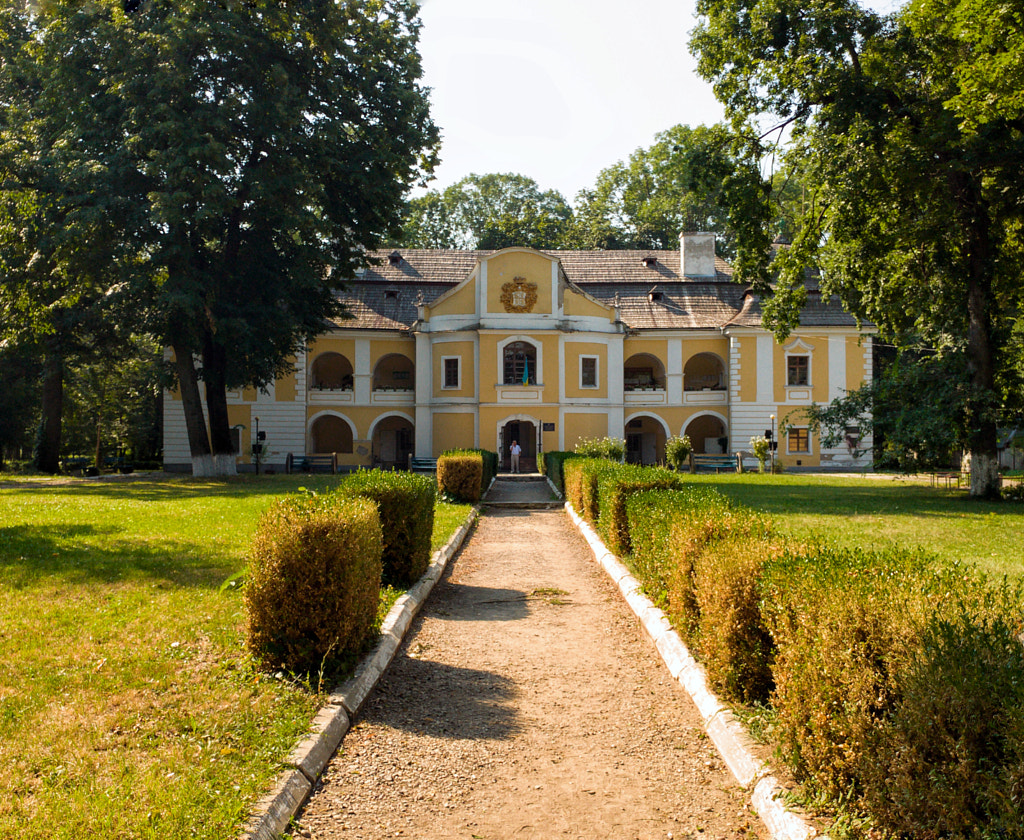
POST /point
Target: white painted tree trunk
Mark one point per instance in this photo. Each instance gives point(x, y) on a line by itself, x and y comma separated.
point(202, 466)
point(213, 466)
point(984, 475)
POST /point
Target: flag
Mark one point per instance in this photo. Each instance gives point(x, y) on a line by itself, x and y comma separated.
point(526, 371)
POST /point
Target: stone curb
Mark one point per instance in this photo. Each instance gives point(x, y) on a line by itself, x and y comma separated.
point(727, 734)
point(274, 812)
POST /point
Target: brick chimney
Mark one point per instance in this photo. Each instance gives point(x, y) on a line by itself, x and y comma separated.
point(697, 254)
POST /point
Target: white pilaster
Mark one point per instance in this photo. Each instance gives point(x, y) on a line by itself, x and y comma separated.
point(836, 366)
point(362, 375)
point(424, 432)
point(674, 372)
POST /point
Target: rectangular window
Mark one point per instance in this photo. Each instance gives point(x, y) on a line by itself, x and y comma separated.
point(799, 440)
point(588, 371)
point(451, 372)
point(798, 370)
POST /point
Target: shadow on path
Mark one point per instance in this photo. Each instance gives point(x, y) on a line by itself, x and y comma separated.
point(438, 700)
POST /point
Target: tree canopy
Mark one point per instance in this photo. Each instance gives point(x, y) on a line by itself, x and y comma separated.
point(492, 211)
point(675, 185)
point(232, 156)
point(915, 214)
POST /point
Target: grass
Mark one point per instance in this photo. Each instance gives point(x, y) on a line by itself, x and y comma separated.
point(128, 705)
point(872, 512)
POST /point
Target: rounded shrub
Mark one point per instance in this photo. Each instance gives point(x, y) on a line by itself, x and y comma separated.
point(313, 582)
point(405, 504)
point(460, 475)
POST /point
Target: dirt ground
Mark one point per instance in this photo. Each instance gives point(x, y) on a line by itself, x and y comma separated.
point(527, 703)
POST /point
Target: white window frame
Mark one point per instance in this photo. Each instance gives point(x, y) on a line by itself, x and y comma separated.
point(444, 373)
point(800, 348)
point(597, 372)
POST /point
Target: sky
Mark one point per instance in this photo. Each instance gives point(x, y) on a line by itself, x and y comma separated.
point(557, 90)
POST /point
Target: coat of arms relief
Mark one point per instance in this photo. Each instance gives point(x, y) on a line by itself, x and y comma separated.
point(519, 296)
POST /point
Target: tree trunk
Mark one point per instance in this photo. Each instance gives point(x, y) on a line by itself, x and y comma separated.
point(214, 375)
point(47, 454)
point(191, 403)
point(983, 434)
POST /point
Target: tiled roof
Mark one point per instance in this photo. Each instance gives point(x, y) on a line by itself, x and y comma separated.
point(383, 297)
point(686, 306)
point(817, 312)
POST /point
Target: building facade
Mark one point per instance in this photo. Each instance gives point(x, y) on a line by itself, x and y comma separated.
point(455, 349)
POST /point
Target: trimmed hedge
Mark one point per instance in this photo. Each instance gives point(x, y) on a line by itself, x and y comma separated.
point(460, 475)
point(552, 465)
point(313, 584)
point(582, 476)
point(897, 683)
point(490, 464)
point(405, 502)
point(614, 487)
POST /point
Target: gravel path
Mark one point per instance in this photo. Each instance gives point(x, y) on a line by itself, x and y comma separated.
point(527, 703)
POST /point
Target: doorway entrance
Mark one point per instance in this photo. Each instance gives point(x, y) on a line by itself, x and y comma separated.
point(525, 432)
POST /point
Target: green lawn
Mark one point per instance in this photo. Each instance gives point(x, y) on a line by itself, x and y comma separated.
point(128, 706)
point(875, 511)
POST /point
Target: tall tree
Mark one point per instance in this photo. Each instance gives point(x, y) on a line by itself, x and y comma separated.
point(491, 211)
point(677, 184)
point(916, 214)
point(252, 151)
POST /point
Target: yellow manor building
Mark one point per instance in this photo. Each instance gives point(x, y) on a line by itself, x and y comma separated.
point(476, 349)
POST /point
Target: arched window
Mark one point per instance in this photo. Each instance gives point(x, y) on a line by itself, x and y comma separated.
point(520, 364)
point(332, 371)
point(704, 372)
point(394, 372)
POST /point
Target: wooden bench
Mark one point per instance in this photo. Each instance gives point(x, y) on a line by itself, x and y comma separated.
point(716, 463)
point(311, 463)
point(950, 479)
point(422, 465)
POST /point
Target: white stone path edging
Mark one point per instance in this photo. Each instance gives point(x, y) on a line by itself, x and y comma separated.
point(720, 723)
point(273, 814)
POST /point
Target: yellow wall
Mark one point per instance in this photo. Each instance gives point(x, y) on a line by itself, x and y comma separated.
point(748, 369)
point(580, 426)
point(532, 267)
point(463, 349)
point(575, 303)
point(329, 344)
point(573, 351)
point(461, 301)
point(379, 348)
point(452, 431)
point(819, 367)
point(718, 346)
point(286, 388)
point(650, 346)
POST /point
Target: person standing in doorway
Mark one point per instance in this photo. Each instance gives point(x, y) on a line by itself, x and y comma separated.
point(515, 450)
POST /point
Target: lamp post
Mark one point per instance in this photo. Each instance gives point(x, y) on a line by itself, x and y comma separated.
point(771, 447)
